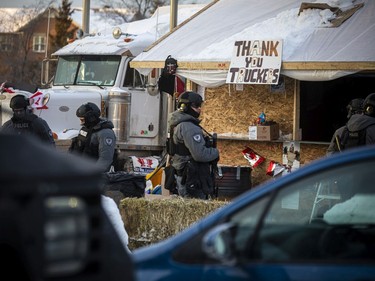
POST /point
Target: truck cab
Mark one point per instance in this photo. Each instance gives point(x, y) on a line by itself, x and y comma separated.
point(96, 69)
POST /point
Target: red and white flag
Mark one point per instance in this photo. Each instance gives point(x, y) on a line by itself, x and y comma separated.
point(253, 158)
point(5, 88)
point(36, 100)
point(275, 168)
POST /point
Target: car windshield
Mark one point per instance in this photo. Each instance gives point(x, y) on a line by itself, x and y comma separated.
point(87, 70)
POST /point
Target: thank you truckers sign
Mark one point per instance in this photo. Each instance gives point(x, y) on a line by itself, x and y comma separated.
point(255, 62)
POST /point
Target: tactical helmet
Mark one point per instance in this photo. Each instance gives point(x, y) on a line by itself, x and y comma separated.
point(355, 106)
point(369, 105)
point(190, 98)
point(19, 102)
point(91, 112)
point(187, 100)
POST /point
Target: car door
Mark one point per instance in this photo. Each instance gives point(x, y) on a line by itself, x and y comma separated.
point(320, 227)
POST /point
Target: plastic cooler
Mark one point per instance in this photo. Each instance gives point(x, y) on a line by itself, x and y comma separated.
point(233, 181)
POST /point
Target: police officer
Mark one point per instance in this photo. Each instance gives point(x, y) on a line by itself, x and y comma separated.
point(360, 129)
point(355, 106)
point(365, 121)
point(193, 155)
point(96, 138)
point(24, 122)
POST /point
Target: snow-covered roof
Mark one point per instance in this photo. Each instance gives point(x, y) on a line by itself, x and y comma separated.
point(144, 32)
point(204, 45)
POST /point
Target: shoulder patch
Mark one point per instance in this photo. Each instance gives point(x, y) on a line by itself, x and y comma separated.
point(108, 141)
point(83, 133)
point(197, 138)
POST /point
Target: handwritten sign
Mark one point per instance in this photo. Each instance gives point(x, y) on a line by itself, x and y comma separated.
point(255, 62)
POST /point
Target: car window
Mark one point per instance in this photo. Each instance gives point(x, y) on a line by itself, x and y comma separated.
point(329, 215)
point(133, 79)
point(245, 221)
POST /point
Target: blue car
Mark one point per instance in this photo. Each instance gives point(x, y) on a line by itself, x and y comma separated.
point(317, 223)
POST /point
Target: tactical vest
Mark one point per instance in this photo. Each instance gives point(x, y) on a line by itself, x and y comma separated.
point(82, 143)
point(173, 148)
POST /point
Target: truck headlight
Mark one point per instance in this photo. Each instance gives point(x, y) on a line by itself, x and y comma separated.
point(46, 98)
point(66, 235)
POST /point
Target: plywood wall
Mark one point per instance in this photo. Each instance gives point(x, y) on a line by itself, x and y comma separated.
point(229, 113)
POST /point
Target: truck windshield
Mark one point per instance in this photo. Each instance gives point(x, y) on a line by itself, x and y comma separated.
point(87, 70)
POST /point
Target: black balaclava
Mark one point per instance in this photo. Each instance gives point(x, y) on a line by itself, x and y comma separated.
point(188, 100)
point(90, 112)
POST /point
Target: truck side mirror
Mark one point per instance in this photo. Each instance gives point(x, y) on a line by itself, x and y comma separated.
point(152, 85)
point(152, 90)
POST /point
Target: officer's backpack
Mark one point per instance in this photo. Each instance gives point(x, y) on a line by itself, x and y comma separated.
point(351, 139)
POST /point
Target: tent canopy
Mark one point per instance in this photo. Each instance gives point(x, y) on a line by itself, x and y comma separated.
point(313, 50)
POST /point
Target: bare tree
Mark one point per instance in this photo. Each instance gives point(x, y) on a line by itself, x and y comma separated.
point(135, 9)
point(6, 21)
point(63, 26)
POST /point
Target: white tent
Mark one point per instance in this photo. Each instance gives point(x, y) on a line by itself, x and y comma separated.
point(312, 49)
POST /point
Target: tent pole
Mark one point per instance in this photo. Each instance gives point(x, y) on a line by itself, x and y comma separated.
point(296, 112)
point(86, 17)
point(173, 14)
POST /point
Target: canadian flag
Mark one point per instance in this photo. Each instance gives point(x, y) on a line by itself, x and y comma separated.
point(253, 158)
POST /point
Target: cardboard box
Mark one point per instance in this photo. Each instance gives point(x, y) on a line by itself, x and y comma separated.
point(264, 133)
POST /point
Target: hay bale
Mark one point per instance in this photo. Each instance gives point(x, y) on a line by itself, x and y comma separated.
point(150, 221)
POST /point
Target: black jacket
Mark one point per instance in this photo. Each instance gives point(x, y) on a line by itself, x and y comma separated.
point(30, 125)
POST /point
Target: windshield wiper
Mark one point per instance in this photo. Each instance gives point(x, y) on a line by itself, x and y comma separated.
point(89, 83)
